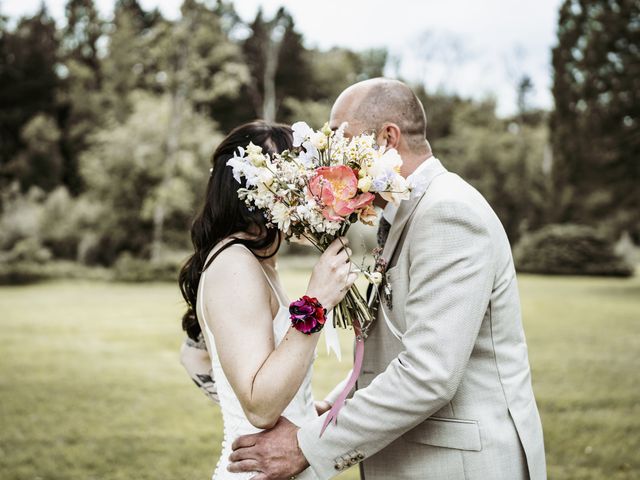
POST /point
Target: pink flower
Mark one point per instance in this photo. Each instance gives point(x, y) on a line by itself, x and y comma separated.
point(336, 188)
point(307, 315)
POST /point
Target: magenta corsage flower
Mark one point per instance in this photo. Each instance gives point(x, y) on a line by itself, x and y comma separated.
point(307, 315)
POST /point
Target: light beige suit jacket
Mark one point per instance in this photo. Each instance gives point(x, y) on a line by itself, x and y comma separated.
point(452, 399)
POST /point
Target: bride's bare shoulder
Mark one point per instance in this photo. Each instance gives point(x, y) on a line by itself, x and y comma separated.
point(234, 277)
point(235, 263)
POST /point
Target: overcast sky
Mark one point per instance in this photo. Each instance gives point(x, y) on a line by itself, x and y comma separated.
point(475, 48)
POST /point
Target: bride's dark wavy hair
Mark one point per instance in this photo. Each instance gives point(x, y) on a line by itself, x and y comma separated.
point(224, 214)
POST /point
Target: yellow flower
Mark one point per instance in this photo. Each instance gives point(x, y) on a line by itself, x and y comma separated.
point(364, 183)
point(319, 140)
point(255, 156)
point(253, 149)
point(368, 215)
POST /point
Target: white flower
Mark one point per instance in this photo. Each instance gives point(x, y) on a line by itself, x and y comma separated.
point(387, 161)
point(240, 164)
point(398, 191)
point(301, 132)
point(236, 164)
point(281, 215)
point(340, 131)
point(382, 183)
point(319, 140)
point(308, 157)
point(265, 177)
point(308, 211)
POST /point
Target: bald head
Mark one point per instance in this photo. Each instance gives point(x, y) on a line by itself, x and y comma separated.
point(370, 105)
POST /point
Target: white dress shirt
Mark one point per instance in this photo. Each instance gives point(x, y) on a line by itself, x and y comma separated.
point(390, 210)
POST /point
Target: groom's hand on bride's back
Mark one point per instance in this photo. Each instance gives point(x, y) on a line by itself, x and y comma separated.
point(322, 407)
point(273, 453)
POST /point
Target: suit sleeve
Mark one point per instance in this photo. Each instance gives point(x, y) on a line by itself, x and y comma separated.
point(451, 276)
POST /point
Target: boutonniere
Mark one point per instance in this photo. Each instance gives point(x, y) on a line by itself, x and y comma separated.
point(380, 287)
point(380, 269)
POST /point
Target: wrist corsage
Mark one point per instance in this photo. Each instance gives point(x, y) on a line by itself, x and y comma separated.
point(307, 315)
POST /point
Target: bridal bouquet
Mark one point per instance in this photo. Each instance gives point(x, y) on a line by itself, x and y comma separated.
point(326, 183)
point(319, 189)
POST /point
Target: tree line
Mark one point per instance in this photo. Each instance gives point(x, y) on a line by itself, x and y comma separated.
point(107, 126)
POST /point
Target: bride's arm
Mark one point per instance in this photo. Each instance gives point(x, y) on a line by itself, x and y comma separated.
point(237, 299)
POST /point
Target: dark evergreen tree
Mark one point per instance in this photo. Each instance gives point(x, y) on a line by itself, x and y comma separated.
point(81, 34)
point(28, 83)
point(279, 65)
point(596, 122)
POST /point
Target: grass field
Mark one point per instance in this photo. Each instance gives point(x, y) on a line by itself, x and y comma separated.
point(91, 386)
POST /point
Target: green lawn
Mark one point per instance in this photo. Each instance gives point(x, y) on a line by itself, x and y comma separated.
point(91, 386)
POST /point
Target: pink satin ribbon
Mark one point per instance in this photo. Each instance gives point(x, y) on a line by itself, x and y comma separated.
point(355, 373)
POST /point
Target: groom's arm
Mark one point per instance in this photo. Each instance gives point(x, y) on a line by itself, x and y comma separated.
point(450, 282)
point(195, 360)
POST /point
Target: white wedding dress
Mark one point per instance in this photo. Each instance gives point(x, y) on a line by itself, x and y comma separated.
point(300, 410)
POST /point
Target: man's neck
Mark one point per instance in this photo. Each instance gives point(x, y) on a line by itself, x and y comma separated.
point(417, 162)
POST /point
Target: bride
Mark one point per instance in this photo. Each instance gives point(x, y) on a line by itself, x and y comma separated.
point(260, 358)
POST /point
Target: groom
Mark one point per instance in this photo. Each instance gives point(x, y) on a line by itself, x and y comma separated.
point(445, 390)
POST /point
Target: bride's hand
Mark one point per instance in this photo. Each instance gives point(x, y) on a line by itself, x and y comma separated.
point(333, 274)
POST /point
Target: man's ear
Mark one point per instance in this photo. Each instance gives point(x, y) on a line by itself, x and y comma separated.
point(390, 133)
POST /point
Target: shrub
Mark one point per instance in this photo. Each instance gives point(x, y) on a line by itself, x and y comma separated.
point(131, 269)
point(569, 250)
point(24, 272)
point(23, 263)
point(21, 273)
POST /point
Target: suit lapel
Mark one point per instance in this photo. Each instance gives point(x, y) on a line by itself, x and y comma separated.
point(407, 207)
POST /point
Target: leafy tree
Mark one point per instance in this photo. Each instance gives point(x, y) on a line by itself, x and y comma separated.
point(81, 34)
point(124, 65)
point(40, 162)
point(440, 109)
point(141, 19)
point(336, 69)
point(502, 159)
point(199, 65)
point(331, 72)
point(125, 173)
point(594, 126)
